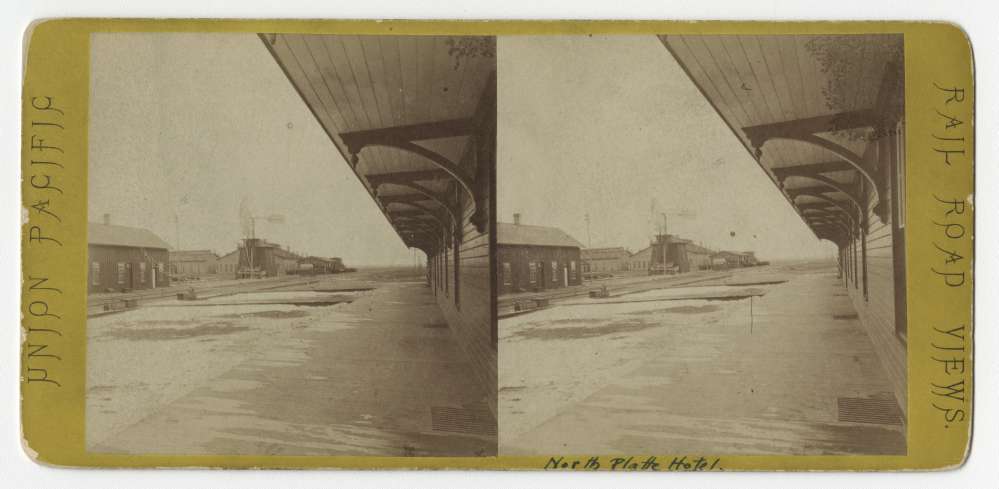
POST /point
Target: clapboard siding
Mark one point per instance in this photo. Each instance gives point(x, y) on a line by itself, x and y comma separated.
point(877, 309)
point(470, 317)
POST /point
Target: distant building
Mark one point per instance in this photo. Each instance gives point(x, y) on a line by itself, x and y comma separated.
point(193, 263)
point(640, 260)
point(727, 259)
point(123, 258)
point(681, 256)
point(749, 259)
point(227, 265)
point(604, 260)
point(533, 258)
point(699, 257)
point(260, 258)
point(319, 265)
point(669, 253)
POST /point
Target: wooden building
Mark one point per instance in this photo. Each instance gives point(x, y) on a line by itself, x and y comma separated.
point(193, 263)
point(641, 260)
point(315, 265)
point(415, 119)
point(604, 260)
point(727, 259)
point(824, 118)
point(227, 265)
point(669, 253)
point(123, 258)
point(260, 258)
point(698, 257)
point(534, 258)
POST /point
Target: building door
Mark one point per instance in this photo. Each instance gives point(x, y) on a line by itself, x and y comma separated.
point(542, 276)
point(129, 276)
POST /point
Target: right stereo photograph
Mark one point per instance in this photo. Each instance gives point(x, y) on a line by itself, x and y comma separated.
point(699, 245)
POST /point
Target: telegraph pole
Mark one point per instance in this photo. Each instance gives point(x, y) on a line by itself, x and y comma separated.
point(589, 242)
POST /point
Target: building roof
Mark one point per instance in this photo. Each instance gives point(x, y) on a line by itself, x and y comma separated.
point(695, 248)
point(604, 253)
point(729, 253)
point(112, 235)
point(522, 234)
point(192, 255)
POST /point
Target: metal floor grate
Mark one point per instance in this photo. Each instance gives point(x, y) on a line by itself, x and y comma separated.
point(476, 420)
point(872, 411)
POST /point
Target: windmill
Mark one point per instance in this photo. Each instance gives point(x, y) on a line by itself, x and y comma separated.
point(248, 228)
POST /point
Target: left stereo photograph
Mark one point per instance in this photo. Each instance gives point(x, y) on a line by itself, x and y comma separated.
point(289, 245)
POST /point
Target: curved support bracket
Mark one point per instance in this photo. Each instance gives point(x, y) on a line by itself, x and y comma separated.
point(440, 200)
point(436, 215)
point(842, 153)
point(843, 231)
point(846, 210)
point(833, 217)
point(404, 138)
point(833, 184)
point(808, 130)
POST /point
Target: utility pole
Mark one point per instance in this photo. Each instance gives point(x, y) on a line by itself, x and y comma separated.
point(665, 242)
point(589, 242)
point(176, 223)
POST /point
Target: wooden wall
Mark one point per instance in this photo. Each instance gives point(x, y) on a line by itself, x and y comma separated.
point(461, 274)
point(879, 300)
point(520, 257)
point(108, 258)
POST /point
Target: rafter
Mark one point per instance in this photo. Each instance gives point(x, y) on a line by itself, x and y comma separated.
point(402, 199)
point(376, 179)
point(811, 169)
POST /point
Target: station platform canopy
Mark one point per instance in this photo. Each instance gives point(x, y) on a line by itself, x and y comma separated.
point(810, 110)
point(404, 112)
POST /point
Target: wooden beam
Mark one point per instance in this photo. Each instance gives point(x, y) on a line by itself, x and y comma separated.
point(402, 199)
point(407, 213)
point(811, 169)
point(356, 140)
point(811, 190)
point(811, 125)
point(377, 179)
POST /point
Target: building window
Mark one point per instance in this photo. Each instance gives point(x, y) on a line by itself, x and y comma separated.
point(554, 271)
point(122, 273)
point(95, 273)
point(142, 272)
point(507, 274)
point(572, 269)
point(533, 275)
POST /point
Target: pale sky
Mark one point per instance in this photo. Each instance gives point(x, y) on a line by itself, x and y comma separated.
point(612, 127)
point(190, 124)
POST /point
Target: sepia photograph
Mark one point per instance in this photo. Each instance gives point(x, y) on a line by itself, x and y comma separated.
point(289, 245)
point(700, 245)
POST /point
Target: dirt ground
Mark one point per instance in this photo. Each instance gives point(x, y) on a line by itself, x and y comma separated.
point(755, 363)
point(352, 365)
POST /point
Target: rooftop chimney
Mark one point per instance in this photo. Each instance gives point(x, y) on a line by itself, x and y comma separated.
point(516, 219)
point(107, 219)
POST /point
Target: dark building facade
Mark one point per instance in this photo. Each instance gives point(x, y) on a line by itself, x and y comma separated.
point(258, 257)
point(674, 257)
point(535, 258)
point(122, 258)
